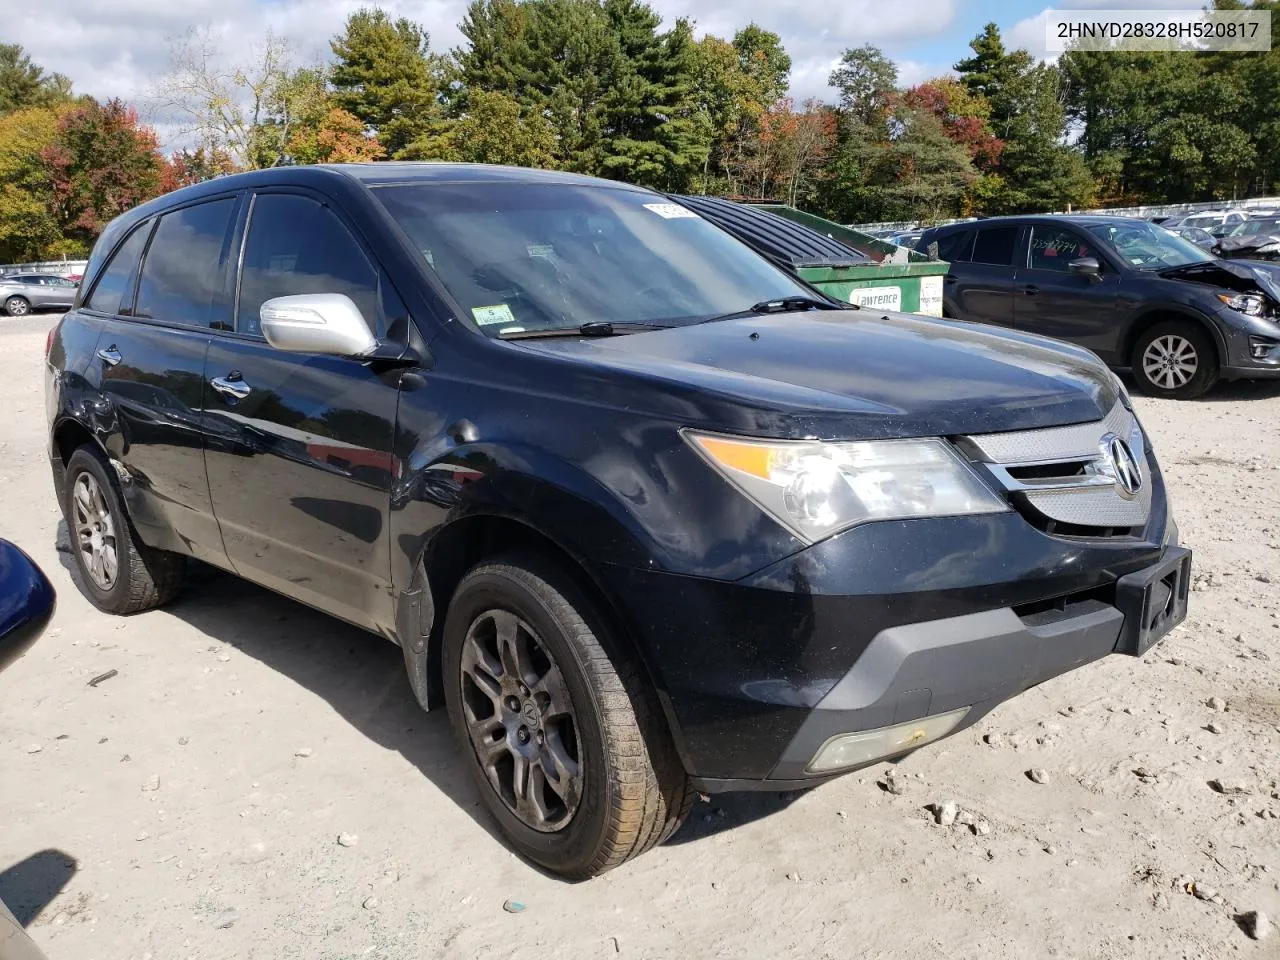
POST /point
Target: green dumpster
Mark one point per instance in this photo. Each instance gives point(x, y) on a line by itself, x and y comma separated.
point(841, 262)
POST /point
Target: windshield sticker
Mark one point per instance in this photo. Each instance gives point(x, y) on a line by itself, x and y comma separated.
point(488, 316)
point(540, 250)
point(671, 211)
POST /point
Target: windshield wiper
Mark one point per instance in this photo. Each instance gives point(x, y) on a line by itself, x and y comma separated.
point(791, 304)
point(593, 328)
point(781, 305)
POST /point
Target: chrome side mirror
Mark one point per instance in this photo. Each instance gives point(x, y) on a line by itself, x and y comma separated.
point(1086, 266)
point(326, 323)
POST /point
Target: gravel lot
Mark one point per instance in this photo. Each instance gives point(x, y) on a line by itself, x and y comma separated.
point(190, 806)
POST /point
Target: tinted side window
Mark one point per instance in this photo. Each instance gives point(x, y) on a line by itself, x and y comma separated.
point(296, 245)
point(955, 247)
point(113, 285)
point(182, 275)
point(1053, 248)
point(995, 245)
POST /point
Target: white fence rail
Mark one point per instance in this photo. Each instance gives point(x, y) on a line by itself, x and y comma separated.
point(1151, 210)
point(57, 268)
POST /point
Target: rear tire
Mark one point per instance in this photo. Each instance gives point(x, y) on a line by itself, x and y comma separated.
point(632, 792)
point(17, 306)
point(1176, 360)
point(118, 573)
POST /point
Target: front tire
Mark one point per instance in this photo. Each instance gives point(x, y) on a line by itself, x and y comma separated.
point(118, 573)
point(556, 721)
point(17, 306)
point(1175, 360)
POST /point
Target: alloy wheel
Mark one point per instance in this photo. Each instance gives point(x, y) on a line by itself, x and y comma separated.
point(1170, 361)
point(17, 307)
point(95, 531)
point(520, 720)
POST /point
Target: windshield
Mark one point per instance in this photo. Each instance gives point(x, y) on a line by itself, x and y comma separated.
point(1250, 227)
point(1148, 247)
point(535, 256)
point(1209, 220)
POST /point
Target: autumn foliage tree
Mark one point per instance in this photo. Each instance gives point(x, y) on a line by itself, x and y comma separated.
point(965, 117)
point(102, 162)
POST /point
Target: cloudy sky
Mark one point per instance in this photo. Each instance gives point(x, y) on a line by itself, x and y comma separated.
point(120, 47)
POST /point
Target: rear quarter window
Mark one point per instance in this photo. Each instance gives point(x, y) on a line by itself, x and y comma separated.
point(182, 274)
point(113, 288)
point(956, 246)
point(995, 246)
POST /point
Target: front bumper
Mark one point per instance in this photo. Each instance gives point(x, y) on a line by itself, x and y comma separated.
point(1252, 348)
point(884, 624)
point(980, 660)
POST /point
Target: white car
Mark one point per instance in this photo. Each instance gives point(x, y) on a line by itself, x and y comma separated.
point(1217, 222)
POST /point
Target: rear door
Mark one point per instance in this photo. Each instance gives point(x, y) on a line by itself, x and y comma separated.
point(299, 446)
point(150, 355)
point(61, 292)
point(1055, 302)
point(981, 287)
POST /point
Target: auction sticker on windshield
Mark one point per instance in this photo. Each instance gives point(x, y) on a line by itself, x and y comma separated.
point(671, 211)
point(488, 316)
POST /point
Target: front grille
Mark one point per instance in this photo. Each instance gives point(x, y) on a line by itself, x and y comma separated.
point(1068, 481)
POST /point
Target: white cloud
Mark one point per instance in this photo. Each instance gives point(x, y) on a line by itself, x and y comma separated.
point(120, 48)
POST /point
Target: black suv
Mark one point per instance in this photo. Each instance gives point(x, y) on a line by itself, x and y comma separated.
point(648, 515)
point(1139, 296)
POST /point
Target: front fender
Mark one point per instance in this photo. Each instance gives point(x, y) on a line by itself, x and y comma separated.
point(636, 497)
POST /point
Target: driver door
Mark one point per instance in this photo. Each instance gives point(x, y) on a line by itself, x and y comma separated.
point(1054, 301)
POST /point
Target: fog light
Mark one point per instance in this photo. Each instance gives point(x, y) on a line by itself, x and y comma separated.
point(1260, 347)
point(854, 749)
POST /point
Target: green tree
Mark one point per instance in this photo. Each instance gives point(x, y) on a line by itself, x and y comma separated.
point(917, 172)
point(867, 81)
point(28, 228)
point(1167, 126)
point(617, 93)
point(494, 129)
point(1037, 170)
point(765, 61)
point(387, 77)
point(25, 84)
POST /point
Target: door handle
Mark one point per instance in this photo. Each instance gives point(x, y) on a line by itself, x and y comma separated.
point(950, 278)
point(1030, 289)
point(109, 355)
point(231, 386)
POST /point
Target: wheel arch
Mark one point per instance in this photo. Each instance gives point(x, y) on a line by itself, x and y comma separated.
point(68, 436)
point(456, 548)
point(1164, 314)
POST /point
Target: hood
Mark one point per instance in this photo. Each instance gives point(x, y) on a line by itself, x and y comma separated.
point(856, 374)
point(1242, 276)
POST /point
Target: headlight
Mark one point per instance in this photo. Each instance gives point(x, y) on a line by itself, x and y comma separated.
point(1245, 303)
point(1269, 248)
point(815, 489)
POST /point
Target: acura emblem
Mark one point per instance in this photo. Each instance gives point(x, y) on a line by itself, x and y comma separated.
point(1124, 465)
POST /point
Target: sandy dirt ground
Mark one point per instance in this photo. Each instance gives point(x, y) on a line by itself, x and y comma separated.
point(189, 807)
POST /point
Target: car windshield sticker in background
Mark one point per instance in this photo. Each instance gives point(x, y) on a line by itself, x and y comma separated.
point(488, 316)
point(671, 211)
